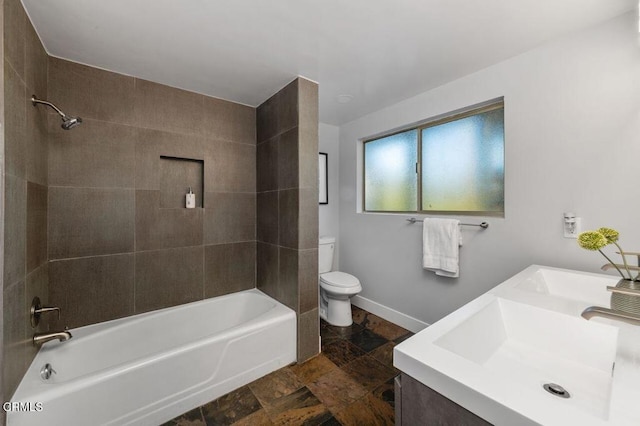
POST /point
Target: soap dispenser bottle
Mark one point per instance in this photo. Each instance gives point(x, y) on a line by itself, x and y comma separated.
point(191, 199)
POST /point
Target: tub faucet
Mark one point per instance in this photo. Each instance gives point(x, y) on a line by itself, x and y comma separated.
point(42, 338)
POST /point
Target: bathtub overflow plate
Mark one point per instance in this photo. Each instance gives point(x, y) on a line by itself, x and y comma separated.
point(47, 371)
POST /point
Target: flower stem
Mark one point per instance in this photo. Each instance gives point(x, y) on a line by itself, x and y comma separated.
point(624, 260)
point(614, 265)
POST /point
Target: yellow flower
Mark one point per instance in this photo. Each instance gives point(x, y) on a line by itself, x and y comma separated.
point(592, 240)
point(610, 234)
point(595, 240)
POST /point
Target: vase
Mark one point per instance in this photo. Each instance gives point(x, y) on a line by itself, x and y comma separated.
point(625, 302)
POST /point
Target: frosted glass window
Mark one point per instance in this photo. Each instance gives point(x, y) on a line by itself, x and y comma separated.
point(451, 165)
point(463, 164)
point(390, 178)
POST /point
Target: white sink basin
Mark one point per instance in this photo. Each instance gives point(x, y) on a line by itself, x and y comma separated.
point(582, 287)
point(530, 347)
point(494, 354)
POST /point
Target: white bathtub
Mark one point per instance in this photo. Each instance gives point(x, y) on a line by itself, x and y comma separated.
point(149, 368)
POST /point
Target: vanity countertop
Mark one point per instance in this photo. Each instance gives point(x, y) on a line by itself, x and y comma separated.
point(494, 355)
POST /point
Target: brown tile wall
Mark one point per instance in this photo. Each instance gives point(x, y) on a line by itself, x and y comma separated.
point(90, 218)
point(287, 205)
point(120, 239)
point(3, 384)
point(25, 188)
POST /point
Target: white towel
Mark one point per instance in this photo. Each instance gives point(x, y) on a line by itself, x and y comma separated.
point(441, 239)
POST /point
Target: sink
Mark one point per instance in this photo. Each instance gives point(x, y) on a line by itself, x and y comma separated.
point(570, 285)
point(530, 347)
point(494, 355)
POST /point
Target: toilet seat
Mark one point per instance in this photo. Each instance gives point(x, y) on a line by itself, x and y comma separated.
point(339, 279)
point(340, 283)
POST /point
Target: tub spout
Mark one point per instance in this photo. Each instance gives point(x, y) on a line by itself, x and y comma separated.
point(597, 311)
point(42, 338)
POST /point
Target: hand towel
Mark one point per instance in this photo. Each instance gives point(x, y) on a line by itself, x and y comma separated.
point(441, 239)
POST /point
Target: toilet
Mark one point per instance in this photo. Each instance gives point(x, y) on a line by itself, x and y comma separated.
point(336, 288)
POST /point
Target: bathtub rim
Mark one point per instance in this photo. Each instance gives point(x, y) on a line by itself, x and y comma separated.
point(85, 330)
point(32, 386)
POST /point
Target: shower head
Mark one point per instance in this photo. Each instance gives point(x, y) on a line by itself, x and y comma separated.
point(67, 122)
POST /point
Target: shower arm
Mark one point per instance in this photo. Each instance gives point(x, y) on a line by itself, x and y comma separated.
point(36, 101)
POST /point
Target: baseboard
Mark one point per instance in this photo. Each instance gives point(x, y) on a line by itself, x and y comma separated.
point(403, 320)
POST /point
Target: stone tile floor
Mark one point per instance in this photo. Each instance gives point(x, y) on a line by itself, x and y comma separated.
point(349, 383)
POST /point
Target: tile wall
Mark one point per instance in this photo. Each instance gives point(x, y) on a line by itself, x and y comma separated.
point(120, 240)
point(2, 122)
point(287, 202)
point(92, 221)
point(24, 180)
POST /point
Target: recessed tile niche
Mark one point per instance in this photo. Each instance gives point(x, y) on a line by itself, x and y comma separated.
point(177, 175)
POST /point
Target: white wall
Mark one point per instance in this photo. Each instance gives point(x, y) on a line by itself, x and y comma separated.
point(572, 139)
point(329, 213)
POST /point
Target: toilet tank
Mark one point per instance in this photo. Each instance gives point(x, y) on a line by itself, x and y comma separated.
point(325, 254)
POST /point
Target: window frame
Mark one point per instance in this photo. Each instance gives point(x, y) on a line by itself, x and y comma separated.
point(476, 109)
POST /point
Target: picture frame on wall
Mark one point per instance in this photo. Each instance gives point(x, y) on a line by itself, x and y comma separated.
point(323, 179)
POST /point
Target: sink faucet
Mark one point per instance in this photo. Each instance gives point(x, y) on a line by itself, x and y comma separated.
point(42, 338)
point(597, 311)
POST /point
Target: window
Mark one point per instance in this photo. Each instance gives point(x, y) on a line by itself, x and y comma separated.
point(449, 165)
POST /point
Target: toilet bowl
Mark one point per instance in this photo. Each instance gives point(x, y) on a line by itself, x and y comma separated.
point(336, 288)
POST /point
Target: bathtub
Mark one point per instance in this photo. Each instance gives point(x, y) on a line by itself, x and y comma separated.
point(148, 368)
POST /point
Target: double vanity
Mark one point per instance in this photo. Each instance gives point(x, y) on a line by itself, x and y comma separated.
point(523, 354)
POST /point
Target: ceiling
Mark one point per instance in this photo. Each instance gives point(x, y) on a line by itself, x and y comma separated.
point(379, 52)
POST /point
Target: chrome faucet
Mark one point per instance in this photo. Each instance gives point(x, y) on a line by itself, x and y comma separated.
point(37, 310)
point(597, 311)
point(42, 338)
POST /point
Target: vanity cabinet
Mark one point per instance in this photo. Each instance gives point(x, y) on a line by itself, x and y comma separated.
point(417, 404)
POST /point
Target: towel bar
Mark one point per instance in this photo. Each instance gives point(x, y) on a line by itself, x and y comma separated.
point(483, 225)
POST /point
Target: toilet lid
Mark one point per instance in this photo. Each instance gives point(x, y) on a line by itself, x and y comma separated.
point(340, 279)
